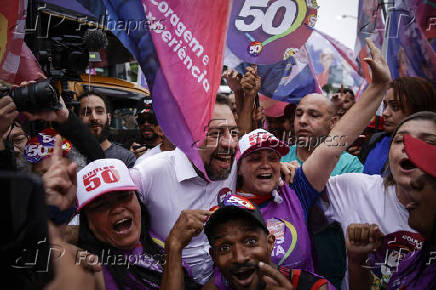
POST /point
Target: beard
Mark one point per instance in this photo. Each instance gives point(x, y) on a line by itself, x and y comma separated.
point(104, 131)
point(219, 174)
point(149, 139)
point(104, 134)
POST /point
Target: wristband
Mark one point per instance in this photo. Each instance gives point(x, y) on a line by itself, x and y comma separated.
point(60, 217)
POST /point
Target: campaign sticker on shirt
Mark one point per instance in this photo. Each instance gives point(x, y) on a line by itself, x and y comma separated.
point(222, 194)
point(384, 262)
point(41, 146)
point(286, 238)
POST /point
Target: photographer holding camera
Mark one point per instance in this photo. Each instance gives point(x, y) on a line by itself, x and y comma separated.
point(40, 101)
point(8, 113)
point(24, 210)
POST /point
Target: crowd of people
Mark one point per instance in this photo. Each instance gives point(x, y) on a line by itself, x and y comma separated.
point(289, 202)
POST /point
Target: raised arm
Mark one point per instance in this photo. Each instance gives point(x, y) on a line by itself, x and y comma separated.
point(361, 239)
point(188, 225)
point(245, 88)
point(322, 161)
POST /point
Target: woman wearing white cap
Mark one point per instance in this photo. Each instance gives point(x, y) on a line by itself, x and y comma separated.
point(113, 226)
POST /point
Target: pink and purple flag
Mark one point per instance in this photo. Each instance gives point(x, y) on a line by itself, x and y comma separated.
point(180, 52)
point(370, 24)
point(264, 32)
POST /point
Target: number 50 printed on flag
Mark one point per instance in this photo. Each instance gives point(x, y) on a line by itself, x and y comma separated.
point(261, 31)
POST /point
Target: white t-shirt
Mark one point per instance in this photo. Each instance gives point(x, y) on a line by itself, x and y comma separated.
point(362, 198)
point(169, 184)
point(153, 151)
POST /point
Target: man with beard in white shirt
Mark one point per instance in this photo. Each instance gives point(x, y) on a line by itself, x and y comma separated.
point(170, 183)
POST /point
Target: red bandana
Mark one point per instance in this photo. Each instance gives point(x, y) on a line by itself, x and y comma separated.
point(257, 199)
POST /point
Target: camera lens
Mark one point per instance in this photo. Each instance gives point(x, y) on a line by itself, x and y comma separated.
point(37, 97)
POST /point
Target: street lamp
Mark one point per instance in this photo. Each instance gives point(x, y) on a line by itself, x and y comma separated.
point(343, 16)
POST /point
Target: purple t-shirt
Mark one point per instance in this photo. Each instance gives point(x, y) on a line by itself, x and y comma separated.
point(401, 280)
point(129, 258)
point(287, 221)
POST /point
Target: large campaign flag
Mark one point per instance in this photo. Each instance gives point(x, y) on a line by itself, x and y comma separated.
point(17, 62)
point(263, 32)
point(180, 51)
point(409, 52)
point(288, 80)
point(333, 63)
point(272, 34)
point(370, 24)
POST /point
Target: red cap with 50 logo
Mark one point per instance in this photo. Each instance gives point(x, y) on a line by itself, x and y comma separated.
point(100, 177)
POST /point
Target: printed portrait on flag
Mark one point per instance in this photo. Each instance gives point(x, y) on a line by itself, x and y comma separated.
point(330, 66)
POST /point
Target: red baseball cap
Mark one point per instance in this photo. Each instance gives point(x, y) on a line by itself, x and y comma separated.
point(422, 154)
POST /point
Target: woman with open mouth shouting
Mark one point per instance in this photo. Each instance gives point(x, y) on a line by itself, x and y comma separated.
point(417, 270)
point(113, 226)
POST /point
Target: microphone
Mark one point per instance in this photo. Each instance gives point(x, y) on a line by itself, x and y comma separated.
point(95, 40)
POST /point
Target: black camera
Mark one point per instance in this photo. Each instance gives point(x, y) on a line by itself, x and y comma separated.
point(36, 97)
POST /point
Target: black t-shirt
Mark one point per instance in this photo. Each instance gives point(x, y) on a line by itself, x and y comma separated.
point(118, 152)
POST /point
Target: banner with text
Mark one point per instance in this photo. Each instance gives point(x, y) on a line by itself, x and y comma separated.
point(180, 51)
